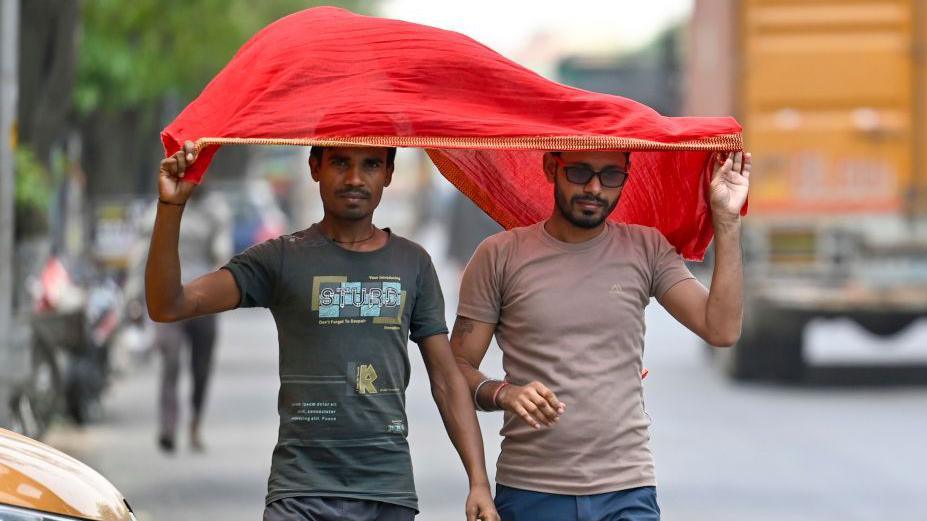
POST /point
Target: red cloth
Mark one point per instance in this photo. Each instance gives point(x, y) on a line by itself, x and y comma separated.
point(328, 76)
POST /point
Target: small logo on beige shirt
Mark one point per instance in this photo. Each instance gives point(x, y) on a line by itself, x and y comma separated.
point(616, 289)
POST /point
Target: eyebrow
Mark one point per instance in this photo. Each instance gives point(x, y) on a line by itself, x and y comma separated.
point(587, 165)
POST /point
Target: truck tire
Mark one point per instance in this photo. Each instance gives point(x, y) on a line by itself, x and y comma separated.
point(770, 346)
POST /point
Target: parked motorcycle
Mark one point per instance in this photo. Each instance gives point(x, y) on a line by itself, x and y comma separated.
point(74, 326)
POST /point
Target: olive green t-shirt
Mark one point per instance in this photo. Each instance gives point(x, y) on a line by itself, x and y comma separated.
point(343, 321)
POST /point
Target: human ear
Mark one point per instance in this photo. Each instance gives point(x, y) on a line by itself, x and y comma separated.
point(550, 166)
point(314, 168)
point(389, 174)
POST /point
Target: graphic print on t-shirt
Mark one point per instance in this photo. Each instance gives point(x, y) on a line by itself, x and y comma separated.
point(380, 298)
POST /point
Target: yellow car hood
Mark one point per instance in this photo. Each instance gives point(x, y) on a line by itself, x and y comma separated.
point(34, 475)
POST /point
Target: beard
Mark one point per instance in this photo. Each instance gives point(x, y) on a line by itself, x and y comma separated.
point(582, 218)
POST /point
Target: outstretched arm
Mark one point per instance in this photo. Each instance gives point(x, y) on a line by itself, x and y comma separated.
point(168, 300)
point(453, 399)
point(717, 315)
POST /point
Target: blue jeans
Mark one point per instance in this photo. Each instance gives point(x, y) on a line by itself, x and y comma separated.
point(635, 504)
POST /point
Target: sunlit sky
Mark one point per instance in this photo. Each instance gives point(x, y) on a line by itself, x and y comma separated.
point(508, 26)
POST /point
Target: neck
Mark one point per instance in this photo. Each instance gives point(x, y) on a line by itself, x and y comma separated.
point(563, 230)
point(347, 231)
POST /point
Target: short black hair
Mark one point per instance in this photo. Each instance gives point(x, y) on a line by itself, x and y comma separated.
point(317, 151)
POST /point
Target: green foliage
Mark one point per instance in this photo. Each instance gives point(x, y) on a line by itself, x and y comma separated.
point(135, 52)
point(34, 190)
point(33, 182)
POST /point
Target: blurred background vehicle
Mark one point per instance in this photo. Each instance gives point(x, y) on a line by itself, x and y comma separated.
point(40, 483)
point(29, 373)
point(832, 95)
point(256, 212)
point(75, 324)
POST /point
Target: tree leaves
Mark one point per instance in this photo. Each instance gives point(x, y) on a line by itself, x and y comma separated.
point(137, 52)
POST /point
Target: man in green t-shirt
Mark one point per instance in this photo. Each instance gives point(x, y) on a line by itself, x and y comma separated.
point(345, 296)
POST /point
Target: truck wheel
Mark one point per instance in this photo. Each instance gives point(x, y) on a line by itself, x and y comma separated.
point(770, 346)
point(785, 342)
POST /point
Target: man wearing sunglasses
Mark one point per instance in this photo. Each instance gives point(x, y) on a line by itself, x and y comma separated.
point(565, 300)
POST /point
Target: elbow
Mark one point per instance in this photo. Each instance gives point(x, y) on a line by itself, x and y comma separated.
point(160, 316)
point(464, 365)
point(725, 340)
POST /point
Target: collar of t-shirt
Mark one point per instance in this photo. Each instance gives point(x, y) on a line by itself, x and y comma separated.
point(547, 238)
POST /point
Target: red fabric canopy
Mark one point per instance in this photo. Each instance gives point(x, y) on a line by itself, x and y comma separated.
point(326, 76)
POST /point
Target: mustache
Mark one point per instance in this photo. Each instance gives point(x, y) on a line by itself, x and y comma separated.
point(588, 199)
point(353, 192)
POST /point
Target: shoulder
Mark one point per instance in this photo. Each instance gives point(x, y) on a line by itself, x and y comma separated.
point(307, 237)
point(280, 245)
point(506, 242)
point(409, 246)
point(648, 242)
point(638, 233)
point(411, 252)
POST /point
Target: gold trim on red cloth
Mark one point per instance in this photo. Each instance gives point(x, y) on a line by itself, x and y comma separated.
point(725, 142)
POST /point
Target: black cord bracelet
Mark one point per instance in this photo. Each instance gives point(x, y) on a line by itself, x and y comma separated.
point(162, 201)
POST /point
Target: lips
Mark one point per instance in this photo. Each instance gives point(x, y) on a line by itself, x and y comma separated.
point(589, 205)
point(353, 196)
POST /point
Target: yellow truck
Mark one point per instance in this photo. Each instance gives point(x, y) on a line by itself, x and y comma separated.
point(832, 95)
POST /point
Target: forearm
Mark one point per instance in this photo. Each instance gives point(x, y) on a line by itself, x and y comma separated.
point(163, 288)
point(474, 378)
point(469, 342)
point(724, 310)
point(455, 404)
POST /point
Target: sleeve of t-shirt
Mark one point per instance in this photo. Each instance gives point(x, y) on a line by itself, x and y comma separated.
point(668, 267)
point(256, 272)
point(428, 311)
point(480, 287)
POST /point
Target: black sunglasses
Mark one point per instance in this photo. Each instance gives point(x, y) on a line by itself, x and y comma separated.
point(609, 177)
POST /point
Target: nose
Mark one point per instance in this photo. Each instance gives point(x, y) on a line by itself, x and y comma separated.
point(593, 186)
point(353, 176)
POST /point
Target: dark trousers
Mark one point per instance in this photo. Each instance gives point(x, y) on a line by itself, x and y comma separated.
point(198, 335)
point(634, 504)
point(309, 508)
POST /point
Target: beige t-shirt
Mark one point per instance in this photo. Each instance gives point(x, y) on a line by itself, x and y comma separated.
point(571, 316)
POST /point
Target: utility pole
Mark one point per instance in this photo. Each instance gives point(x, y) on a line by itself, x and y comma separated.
point(9, 79)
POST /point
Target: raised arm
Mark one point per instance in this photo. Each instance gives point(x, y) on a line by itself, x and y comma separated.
point(717, 315)
point(453, 399)
point(168, 300)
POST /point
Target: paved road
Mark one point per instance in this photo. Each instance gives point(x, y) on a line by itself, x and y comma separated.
point(723, 451)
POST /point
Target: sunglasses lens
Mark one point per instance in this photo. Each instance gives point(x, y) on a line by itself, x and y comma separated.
point(612, 178)
point(578, 174)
